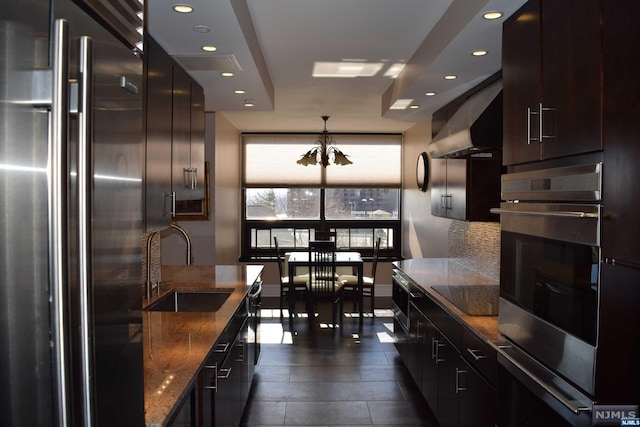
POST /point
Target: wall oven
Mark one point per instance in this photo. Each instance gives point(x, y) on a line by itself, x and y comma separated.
point(549, 280)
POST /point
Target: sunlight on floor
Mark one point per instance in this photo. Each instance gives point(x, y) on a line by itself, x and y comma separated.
point(273, 333)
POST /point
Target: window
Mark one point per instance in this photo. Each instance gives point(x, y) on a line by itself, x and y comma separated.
point(358, 202)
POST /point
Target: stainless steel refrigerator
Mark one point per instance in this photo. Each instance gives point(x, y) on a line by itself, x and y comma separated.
point(71, 219)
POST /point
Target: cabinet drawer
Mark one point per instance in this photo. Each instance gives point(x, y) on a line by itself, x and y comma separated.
point(480, 355)
point(442, 320)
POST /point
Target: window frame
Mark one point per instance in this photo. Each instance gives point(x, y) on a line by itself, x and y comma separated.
point(248, 225)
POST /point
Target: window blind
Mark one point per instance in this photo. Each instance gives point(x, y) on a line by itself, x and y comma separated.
point(269, 160)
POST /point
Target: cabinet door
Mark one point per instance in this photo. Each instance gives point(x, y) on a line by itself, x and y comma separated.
point(477, 399)
point(432, 344)
point(456, 197)
point(181, 132)
point(448, 371)
point(438, 171)
point(416, 346)
point(521, 62)
point(571, 74)
point(159, 79)
point(621, 130)
point(618, 371)
point(197, 140)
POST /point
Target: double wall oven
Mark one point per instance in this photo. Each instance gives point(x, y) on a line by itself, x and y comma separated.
point(549, 289)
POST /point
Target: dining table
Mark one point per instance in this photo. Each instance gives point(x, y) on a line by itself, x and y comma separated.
point(300, 259)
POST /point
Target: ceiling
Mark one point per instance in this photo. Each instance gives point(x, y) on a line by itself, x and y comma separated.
point(272, 47)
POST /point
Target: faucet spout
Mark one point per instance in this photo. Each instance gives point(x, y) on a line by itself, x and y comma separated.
point(187, 239)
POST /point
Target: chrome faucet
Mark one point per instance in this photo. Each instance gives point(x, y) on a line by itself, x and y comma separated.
point(187, 239)
point(151, 286)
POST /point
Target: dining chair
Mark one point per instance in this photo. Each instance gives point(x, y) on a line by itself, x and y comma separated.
point(299, 281)
point(325, 235)
point(350, 282)
point(323, 281)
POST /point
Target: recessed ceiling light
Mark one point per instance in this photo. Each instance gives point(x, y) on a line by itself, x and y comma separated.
point(414, 107)
point(209, 48)
point(183, 8)
point(239, 91)
point(249, 103)
point(346, 69)
point(450, 77)
point(479, 53)
point(226, 74)
point(430, 94)
point(494, 14)
point(201, 28)
point(401, 104)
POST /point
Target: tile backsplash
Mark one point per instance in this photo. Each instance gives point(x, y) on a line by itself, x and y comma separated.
point(155, 265)
point(476, 245)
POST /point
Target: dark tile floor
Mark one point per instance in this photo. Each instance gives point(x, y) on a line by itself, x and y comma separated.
point(317, 376)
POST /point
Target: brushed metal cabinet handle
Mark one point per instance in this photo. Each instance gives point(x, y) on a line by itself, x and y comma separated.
point(475, 355)
point(458, 388)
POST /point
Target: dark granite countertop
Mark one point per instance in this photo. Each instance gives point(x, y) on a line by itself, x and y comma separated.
point(434, 274)
point(176, 345)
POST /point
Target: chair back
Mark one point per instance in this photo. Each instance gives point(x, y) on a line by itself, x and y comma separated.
point(322, 265)
point(280, 255)
point(374, 264)
point(325, 235)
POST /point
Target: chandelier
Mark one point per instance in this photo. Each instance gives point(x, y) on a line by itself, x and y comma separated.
point(325, 152)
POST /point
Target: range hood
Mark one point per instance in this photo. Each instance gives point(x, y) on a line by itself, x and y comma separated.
point(476, 127)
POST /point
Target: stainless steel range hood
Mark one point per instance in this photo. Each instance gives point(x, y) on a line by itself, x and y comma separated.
point(474, 128)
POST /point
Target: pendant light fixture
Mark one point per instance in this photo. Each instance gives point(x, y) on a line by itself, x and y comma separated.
point(325, 152)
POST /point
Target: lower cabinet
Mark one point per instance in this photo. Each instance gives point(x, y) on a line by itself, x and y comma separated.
point(455, 380)
point(225, 380)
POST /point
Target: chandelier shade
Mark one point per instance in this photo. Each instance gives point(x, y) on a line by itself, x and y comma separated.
point(325, 153)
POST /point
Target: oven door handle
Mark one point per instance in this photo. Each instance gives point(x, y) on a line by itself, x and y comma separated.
point(576, 409)
point(564, 214)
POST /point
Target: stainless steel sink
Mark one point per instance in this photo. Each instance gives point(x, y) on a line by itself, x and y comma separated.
point(475, 300)
point(190, 301)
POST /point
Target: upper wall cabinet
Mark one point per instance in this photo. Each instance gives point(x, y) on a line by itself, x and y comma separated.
point(551, 70)
point(159, 81)
point(465, 189)
point(187, 158)
point(175, 165)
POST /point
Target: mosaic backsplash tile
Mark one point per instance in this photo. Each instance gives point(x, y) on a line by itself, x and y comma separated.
point(476, 245)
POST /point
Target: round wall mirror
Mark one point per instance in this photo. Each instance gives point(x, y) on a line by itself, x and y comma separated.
point(422, 171)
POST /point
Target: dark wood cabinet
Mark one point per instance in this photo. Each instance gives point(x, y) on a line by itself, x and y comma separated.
point(617, 368)
point(621, 131)
point(430, 359)
point(158, 113)
point(448, 365)
point(459, 391)
point(175, 163)
point(465, 189)
point(180, 133)
point(552, 68)
point(477, 398)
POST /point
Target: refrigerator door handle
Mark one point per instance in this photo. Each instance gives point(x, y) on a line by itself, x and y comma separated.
point(85, 204)
point(58, 170)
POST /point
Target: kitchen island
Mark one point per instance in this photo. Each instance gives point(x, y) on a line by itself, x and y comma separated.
point(176, 345)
